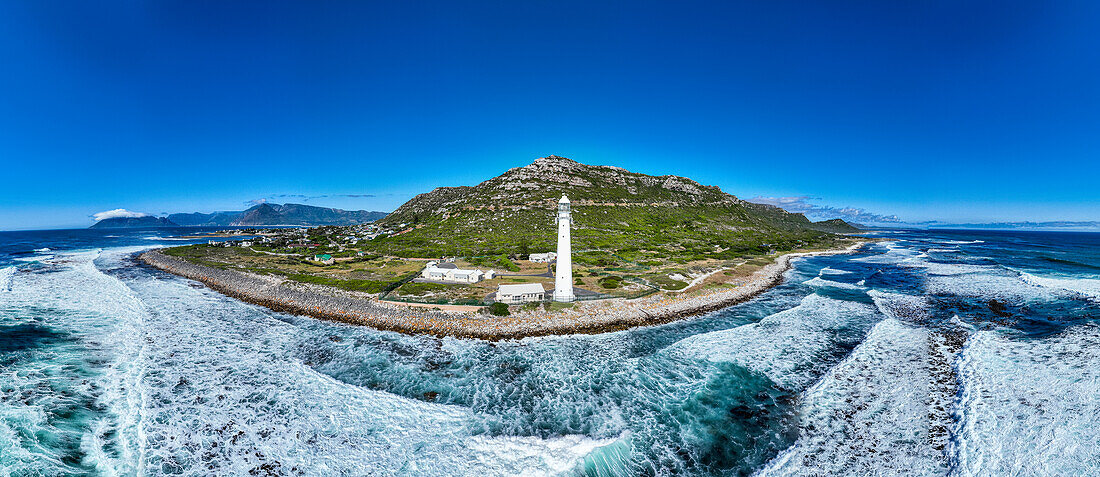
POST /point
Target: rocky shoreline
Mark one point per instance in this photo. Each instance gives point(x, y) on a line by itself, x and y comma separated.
point(585, 317)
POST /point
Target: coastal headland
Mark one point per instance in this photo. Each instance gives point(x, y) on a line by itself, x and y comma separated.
point(584, 317)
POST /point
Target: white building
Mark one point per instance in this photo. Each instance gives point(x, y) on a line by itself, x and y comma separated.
point(544, 257)
point(563, 283)
point(466, 276)
point(520, 293)
point(451, 274)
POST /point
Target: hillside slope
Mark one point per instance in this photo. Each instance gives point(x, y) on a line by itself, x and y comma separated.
point(613, 209)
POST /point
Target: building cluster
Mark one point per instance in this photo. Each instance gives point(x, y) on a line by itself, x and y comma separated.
point(443, 271)
point(447, 272)
point(239, 243)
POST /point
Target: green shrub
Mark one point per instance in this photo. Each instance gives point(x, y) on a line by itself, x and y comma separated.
point(667, 283)
point(610, 282)
point(413, 288)
point(499, 309)
point(369, 286)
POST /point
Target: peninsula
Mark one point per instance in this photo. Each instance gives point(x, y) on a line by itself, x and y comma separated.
point(644, 250)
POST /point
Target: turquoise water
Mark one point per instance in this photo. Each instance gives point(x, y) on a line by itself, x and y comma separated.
point(941, 353)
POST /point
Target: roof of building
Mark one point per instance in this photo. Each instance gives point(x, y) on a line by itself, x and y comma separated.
point(563, 200)
point(520, 289)
point(446, 265)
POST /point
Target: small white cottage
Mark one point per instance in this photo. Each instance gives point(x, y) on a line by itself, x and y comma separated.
point(520, 293)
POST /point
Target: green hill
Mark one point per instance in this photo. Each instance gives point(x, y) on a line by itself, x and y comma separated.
point(630, 213)
point(835, 226)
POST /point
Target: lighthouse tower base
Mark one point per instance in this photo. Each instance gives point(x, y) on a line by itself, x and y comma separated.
point(563, 282)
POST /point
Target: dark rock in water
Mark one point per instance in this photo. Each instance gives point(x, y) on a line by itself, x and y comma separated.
point(999, 308)
point(133, 222)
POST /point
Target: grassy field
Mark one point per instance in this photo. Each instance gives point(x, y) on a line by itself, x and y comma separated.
point(612, 273)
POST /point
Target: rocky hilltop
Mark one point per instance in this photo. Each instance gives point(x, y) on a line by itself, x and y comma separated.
point(545, 180)
point(613, 209)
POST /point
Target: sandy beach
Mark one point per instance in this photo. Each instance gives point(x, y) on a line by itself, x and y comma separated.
point(584, 317)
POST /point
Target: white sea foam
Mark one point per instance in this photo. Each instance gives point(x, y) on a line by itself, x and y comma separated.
point(1088, 287)
point(988, 283)
point(195, 383)
point(33, 259)
point(221, 372)
point(893, 253)
point(870, 414)
point(6, 275)
point(42, 250)
point(960, 242)
point(1029, 406)
point(822, 283)
point(944, 250)
point(787, 346)
point(938, 268)
point(907, 308)
point(107, 319)
point(832, 271)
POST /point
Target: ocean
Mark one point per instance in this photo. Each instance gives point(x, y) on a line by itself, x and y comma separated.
point(937, 353)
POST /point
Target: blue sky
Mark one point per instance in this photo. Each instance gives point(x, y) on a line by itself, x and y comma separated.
point(955, 111)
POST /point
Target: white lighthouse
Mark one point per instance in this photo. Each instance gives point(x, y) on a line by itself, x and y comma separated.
point(563, 284)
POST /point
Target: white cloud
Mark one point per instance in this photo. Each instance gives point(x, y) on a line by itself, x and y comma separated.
point(802, 205)
point(117, 213)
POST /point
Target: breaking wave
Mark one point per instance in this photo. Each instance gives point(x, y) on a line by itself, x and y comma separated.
point(870, 414)
point(6, 276)
point(820, 282)
point(792, 347)
point(1086, 287)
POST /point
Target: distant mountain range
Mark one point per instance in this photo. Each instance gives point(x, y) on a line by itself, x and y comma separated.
point(275, 214)
point(1055, 225)
point(1061, 225)
point(132, 222)
point(259, 215)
